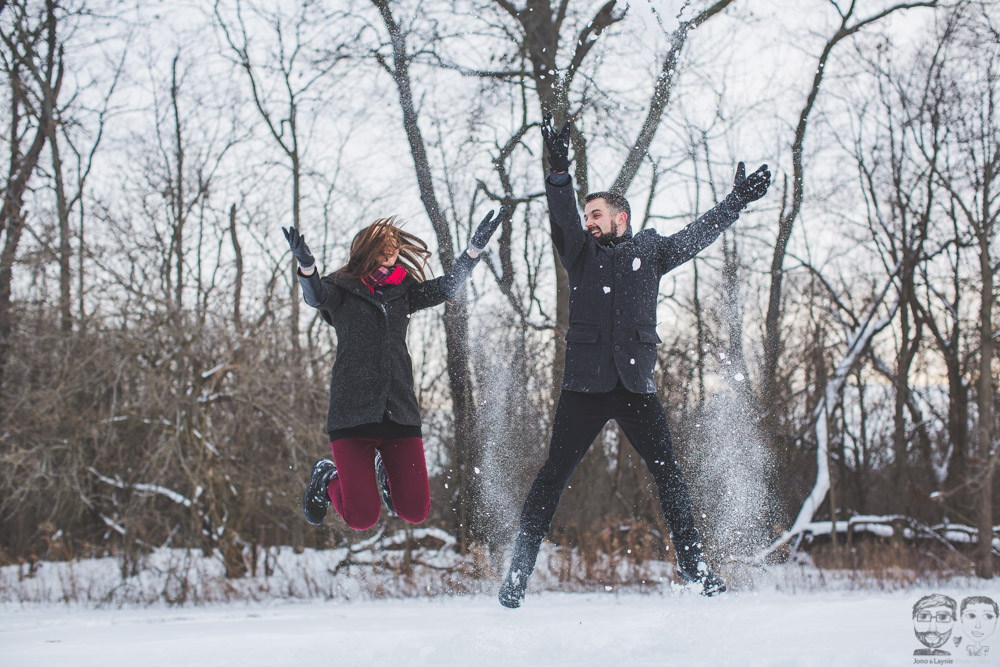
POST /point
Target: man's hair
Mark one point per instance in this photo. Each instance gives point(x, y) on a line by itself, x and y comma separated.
point(979, 599)
point(934, 600)
point(616, 203)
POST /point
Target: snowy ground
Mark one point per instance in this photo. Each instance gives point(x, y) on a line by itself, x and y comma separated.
point(677, 627)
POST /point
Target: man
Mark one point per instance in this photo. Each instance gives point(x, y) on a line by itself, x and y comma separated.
point(933, 621)
point(611, 350)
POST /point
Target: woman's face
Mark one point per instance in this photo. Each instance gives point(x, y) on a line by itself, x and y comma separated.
point(390, 253)
point(979, 621)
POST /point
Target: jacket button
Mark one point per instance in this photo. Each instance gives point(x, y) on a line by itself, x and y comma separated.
point(618, 348)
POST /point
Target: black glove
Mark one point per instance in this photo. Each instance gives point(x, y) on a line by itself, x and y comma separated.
point(557, 144)
point(299, 248)
point(486, 229)
point(748, 188)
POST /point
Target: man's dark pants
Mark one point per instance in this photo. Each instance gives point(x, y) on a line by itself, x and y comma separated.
point(579, 418)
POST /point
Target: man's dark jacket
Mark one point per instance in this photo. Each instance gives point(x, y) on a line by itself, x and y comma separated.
point(613, 291)
point(373, 373)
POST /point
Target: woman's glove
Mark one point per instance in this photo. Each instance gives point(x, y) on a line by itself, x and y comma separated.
point(486, 229)
point(299, 248)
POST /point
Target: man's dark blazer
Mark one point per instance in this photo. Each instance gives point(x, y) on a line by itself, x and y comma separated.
point(613, 291)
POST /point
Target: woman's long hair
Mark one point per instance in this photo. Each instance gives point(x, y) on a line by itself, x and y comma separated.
point(371, 243)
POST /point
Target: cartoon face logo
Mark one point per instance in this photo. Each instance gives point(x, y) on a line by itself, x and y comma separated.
point(979, 620)
point(934, 618)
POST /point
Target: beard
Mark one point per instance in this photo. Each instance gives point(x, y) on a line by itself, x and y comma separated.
point(933, 639)
point(609, 238)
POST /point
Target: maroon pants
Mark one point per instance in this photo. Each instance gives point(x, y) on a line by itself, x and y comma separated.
point(354, 491)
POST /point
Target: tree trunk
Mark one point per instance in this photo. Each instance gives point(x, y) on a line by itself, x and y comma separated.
point(238, 281)
point(62, 212)
point(22, 167)
point(984, 429)
point(465, 455)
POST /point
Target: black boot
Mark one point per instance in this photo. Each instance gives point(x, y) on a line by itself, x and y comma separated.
point(693, 569)
point(316, 500)
point(512, 591)
point(522, 564)
point(383, 483)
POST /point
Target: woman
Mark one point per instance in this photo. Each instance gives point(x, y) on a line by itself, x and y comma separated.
point(374, 420)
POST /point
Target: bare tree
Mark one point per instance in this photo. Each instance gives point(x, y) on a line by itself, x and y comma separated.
point(297, 67)
point(970, 174)
point(850, 24)
point(33, 65)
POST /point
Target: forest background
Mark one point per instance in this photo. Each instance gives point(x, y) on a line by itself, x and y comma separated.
point(833, 358)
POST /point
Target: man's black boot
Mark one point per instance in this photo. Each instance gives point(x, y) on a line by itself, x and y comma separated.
point(522, 564)
point(512, 591)
point(693, 569)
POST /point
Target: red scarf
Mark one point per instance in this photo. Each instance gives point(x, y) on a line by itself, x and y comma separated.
point(384, 276)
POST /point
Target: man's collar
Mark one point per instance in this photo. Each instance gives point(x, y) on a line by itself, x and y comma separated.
point(621, 238)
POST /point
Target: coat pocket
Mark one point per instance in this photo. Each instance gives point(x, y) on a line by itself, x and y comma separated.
point(645, 351)
point(583, 333)
point(583, 351)
point(647, 335)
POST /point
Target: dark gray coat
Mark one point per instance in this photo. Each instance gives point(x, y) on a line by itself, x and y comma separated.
point(373, 372)
point(613, 292)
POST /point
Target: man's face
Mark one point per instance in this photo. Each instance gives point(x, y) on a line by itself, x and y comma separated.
point(979, 621)
point(599, 221)
point(933, 625)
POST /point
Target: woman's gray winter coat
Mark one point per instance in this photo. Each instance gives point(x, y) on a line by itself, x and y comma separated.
point(373, 372)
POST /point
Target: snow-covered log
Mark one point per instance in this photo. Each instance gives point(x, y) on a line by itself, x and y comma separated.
point(144, 488)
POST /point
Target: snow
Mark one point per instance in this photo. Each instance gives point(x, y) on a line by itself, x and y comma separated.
point(882, 526)
point(212, 371)
point(353, 606)
point(677, 627)
point(607, 290)
point(636, 263)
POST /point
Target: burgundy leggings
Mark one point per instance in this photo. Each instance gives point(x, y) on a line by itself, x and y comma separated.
point(354, 491)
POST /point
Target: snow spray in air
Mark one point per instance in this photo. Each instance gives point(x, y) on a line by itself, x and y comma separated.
point(729, 467)
point(511, 441)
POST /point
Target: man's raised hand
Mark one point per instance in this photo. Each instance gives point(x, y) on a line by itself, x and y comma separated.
point(557, 144)
point(299, 248)
point(748, 188)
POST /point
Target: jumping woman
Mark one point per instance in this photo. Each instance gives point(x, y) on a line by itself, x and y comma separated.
point(374, 420)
